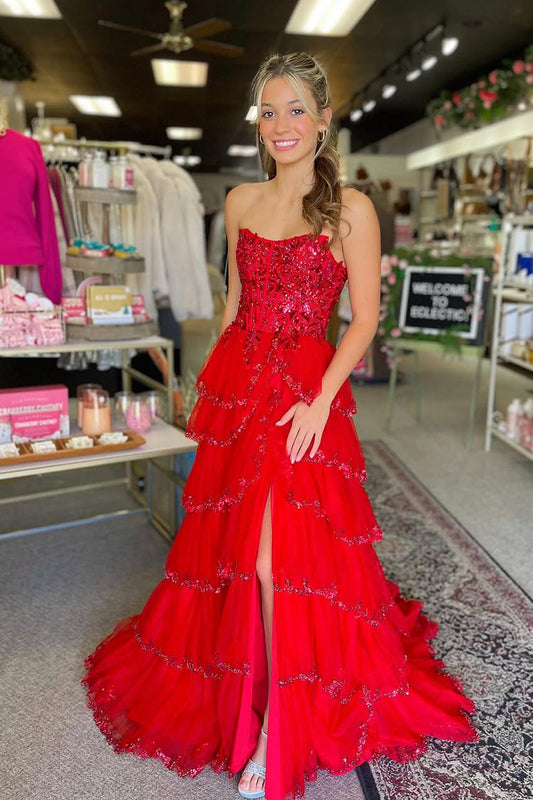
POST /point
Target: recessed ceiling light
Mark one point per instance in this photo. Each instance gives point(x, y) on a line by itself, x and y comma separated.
point(44, 9)
point(104, 106)
point(184, 133)
point(242, 150)
point(388, 90)
point(356, 114)
point(369, 105)
point(449, 45)
point(324, 18)
point(251, 116)
point(169, 72)
point(413, 74)
point(429, 61)
point(187, 161)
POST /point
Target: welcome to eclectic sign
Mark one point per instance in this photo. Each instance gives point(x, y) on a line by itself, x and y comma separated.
point(436, 298)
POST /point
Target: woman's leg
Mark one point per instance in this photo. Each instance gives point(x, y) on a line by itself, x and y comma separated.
point(254, 783)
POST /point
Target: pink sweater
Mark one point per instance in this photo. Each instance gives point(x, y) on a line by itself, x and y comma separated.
point(27, 225)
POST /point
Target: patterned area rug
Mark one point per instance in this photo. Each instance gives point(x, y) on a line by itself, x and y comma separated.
point(485, 639)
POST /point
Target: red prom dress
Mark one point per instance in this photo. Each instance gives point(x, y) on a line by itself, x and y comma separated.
point(353, 675)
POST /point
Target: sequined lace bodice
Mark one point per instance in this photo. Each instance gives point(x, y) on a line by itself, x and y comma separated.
point(287, 285)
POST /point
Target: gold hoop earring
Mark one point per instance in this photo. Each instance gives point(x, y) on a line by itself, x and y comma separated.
point(321, 138)
point(261, 139)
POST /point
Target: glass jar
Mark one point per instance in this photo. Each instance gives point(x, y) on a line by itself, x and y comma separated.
point(80, 391)
point(96, 418)
point(138, 415)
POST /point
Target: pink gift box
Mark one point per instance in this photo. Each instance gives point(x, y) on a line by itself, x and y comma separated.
point(33, 413)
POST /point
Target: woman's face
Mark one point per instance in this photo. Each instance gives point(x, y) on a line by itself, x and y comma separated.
point(289, 132)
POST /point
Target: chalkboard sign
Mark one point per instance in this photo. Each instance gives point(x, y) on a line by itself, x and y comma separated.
point(437, 298)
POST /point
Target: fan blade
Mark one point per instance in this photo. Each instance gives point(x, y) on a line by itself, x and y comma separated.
point(127, 28)
point(219, 48)
point(152, 48)
point(209, 27)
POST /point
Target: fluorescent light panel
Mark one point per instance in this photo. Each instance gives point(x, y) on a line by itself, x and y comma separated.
point(242, 150)
point(169, 72)
point(184, 133)
point(43, 9)
point(103, 106)
point(324, 18)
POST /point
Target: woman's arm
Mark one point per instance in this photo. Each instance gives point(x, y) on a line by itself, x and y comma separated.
point(362, 257)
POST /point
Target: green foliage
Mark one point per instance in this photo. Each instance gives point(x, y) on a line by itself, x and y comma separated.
point(393, 270)
point(13, 64)
point(489, 99)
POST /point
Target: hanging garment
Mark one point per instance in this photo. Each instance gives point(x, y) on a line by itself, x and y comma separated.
point(27, 226)
point(353, 675)
point(192, 211)
point(181, 289)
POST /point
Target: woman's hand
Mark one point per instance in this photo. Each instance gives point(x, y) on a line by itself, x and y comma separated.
point(307, 422)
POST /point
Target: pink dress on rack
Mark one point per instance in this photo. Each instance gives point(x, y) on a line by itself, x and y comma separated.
point(353, 673)
point(27, 223)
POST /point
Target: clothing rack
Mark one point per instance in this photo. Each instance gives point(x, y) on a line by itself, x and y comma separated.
point(124, 147)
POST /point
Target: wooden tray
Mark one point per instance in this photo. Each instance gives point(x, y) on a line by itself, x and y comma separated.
point(27, 455)
point(107, 333)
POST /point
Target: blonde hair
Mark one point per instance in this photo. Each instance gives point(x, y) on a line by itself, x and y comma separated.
point(322, 205)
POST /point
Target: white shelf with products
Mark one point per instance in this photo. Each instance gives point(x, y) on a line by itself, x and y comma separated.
point(163, 441)
point(516, 318)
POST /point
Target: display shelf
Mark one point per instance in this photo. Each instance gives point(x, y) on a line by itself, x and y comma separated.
point(518, 362)
point(107, 265)
point(145, 343)
point(160, 440)
point(86, 194)
point(505, 290)
point(515, 445)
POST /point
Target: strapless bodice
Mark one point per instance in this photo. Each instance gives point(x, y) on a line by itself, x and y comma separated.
point(287, 285)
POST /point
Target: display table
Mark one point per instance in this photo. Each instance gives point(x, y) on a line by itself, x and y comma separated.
point(161, 440)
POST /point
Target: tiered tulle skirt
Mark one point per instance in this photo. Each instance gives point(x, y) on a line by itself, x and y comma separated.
point(353, 673)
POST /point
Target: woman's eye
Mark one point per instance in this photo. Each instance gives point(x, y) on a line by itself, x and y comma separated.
point(298, 111)
point(266, 114)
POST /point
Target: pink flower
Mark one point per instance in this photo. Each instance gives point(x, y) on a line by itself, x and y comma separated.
point(403, 263)
point(529, 66)
point(439, 120)
point(391, 278)
point(394, 261)
point(381, 331)
point(448, 104)
point(488, 97)
point(493, 76)
point(417, 258)
point(395, 332)
point(457, 99)
point(467, 298)
point(487, 105)
point(469, 115)
point(482, 84)
point(529, 78)
point(385, 265)
point(519, 67)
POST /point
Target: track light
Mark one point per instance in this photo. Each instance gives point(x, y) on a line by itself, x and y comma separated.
point(449, 45)
point(388, 90)
point(413, 74)
point(369, 105)
point(428, 61)
point(356, 114)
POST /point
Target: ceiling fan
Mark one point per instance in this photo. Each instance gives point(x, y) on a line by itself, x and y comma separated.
point(179, 39)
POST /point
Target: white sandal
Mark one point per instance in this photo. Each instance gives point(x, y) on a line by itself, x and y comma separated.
point(254, 769)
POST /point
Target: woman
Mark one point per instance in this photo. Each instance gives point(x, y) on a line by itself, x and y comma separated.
point(275, 633)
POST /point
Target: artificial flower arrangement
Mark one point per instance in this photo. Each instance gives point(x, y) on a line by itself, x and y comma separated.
point(393, 268)
point(487, 100)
